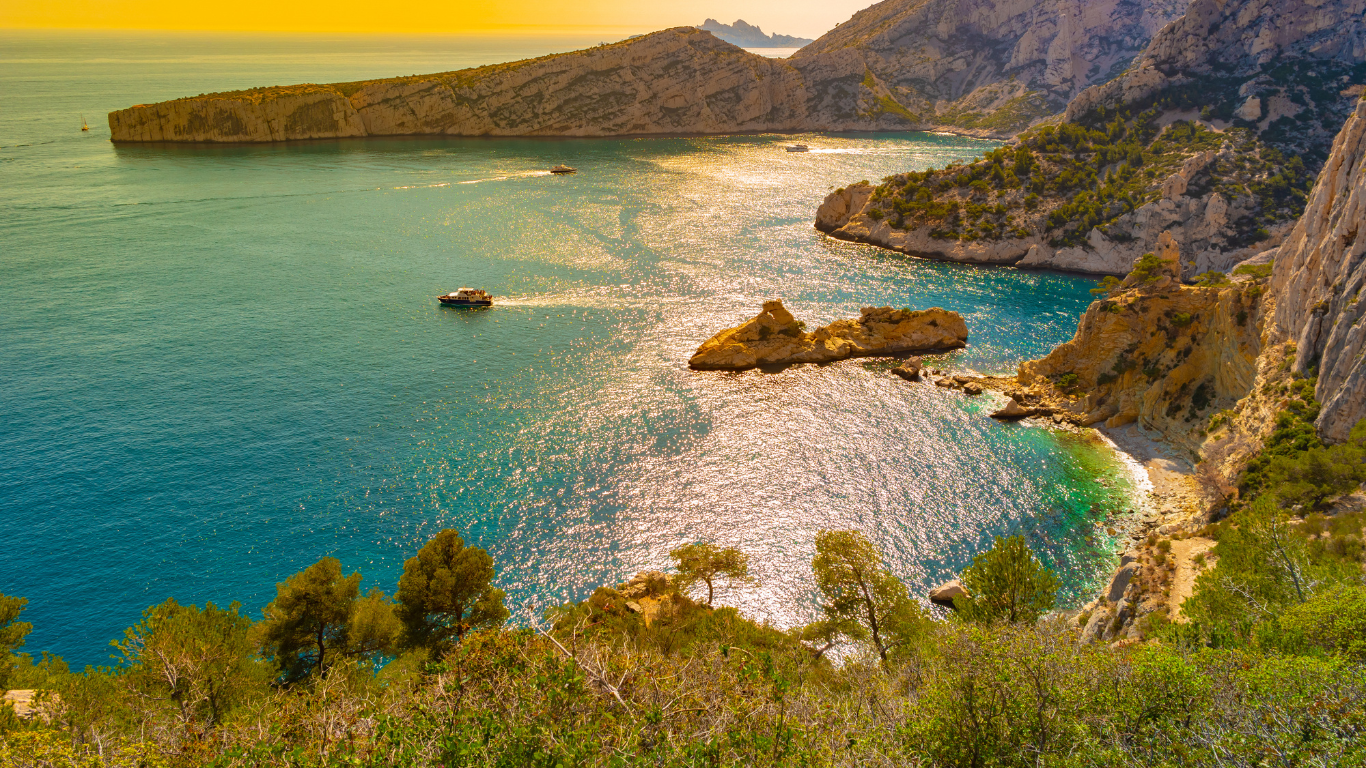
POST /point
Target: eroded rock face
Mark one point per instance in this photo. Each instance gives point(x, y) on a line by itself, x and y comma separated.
point(774, 337)
point(1234, 38)
point(1157, 352)
point(1318, 280)
point(989, 67)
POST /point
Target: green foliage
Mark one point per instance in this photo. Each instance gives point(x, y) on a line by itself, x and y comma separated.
point(1148, 268)
point(1108, 285)
point(1333, 620)
point(199, 663)
point(12, 634)
point(312, 622)
point(1255, 271)
point(1211, 279)
point(1006, 584)
point(446, 592)
point(860, 596)
point(705, 563)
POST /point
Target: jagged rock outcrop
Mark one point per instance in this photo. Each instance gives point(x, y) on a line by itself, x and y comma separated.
point(774, 337)
point(747, 35)
point(1319, 276)
point(1155, 351)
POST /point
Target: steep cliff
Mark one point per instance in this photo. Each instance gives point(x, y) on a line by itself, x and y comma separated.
point(986, 66)
point(1319, 276)
point(1215, 136)
point(775, 337)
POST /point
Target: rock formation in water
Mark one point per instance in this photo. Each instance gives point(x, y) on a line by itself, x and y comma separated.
point(747, 35)
point(775, 337)
point(980, 66)
point(1214, 136)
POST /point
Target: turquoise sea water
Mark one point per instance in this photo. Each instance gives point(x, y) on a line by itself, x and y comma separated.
point(220, 364)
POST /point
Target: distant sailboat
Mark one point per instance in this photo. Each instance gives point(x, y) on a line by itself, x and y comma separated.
point(84, 125)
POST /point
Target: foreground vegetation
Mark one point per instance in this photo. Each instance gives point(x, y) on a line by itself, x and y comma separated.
point(1270, 669)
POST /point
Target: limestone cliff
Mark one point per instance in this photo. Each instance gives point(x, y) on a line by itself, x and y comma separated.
point(774, 337)
point(1319, 276)
point(1156, 352)
point(986, 66)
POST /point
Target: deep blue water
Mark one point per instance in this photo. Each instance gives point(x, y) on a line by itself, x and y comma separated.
point(220, 364)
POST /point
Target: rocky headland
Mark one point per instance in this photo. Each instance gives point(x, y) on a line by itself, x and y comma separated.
point(775, 337)
point(1214, 135)
point(987, 67)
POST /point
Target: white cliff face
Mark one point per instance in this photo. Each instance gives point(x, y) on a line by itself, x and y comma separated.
point(1318, 280)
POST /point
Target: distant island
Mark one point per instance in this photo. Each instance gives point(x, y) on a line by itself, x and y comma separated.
point(746, 35)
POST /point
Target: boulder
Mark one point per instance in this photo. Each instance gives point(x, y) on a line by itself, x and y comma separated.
point(946, 592)
point(774, 337)
point(1012, 411)
point(973, 388)
point(909, 369)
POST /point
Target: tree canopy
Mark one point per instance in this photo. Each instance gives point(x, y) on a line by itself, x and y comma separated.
point(12, 634)
point(199, 662)
point(446, 592)
point(705, 562)
point(318, 618)
point(861, 597)
point(1007, 583)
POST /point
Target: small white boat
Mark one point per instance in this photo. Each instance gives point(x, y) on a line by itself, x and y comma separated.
point(467, 297)
point(798, 148)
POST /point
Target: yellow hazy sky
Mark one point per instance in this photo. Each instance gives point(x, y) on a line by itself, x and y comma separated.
point(803, 17)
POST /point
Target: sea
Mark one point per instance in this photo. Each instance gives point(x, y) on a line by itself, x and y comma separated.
point(219, 364)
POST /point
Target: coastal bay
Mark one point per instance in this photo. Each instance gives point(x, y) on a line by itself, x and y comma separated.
point(227, 362)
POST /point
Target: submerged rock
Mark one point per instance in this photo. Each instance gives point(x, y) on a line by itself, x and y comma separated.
point(774, 337)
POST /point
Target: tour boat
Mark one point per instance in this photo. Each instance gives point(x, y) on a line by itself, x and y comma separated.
point(563, 169)
point(798, 148)
point(467, 297)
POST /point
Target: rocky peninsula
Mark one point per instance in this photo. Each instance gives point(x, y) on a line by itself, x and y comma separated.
point(775, 337)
